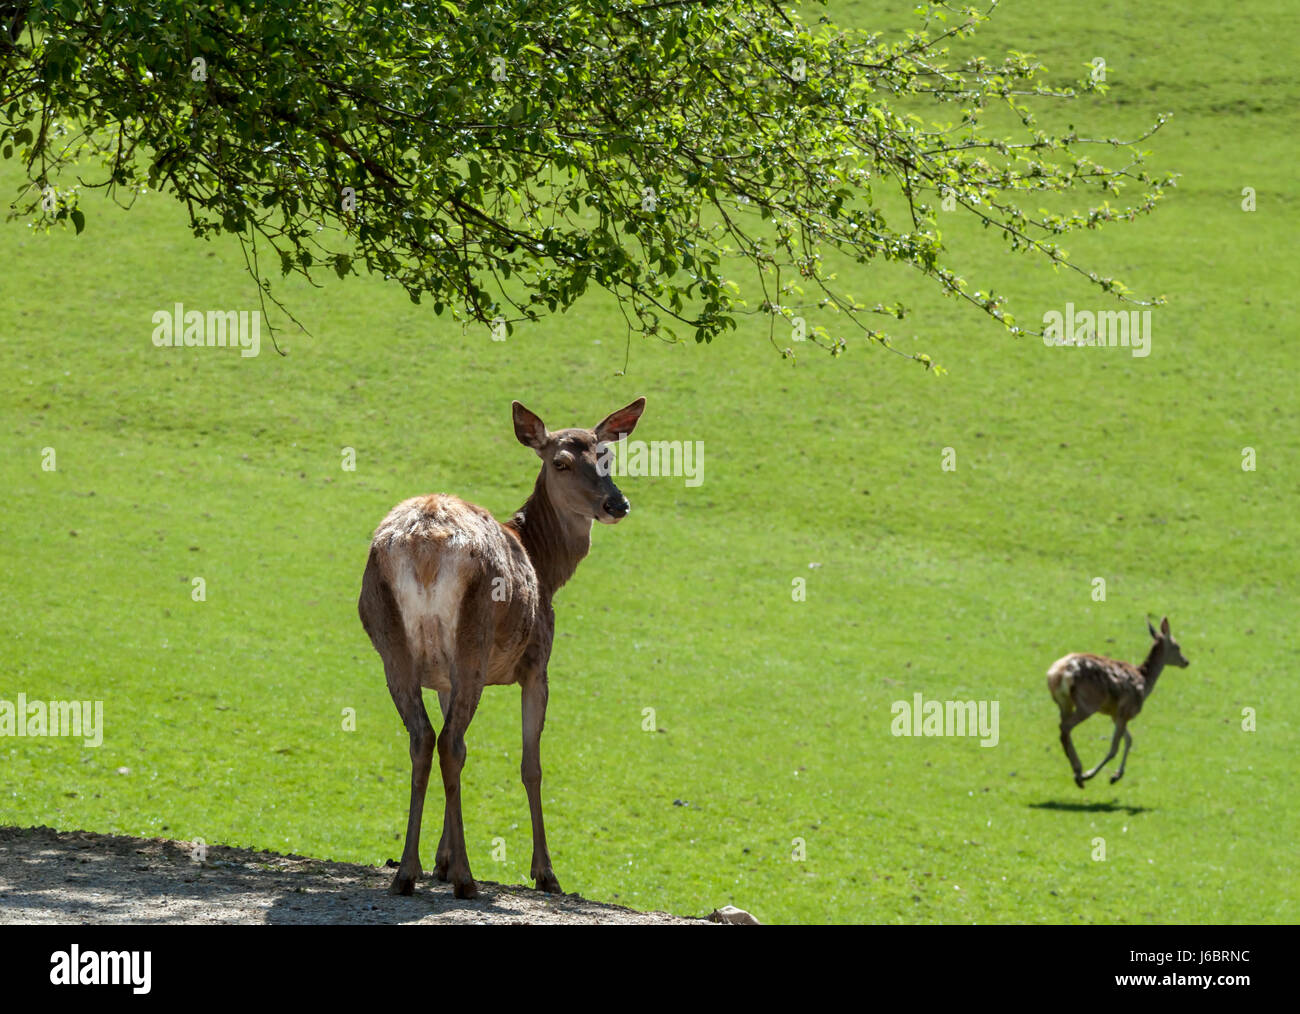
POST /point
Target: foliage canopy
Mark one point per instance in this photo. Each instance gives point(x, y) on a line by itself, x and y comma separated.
point(498, 158)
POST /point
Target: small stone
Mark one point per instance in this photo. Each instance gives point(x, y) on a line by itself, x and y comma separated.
point(734, 916)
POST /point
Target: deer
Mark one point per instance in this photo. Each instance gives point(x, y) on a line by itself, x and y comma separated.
point(1083, 684)
point(454, 600)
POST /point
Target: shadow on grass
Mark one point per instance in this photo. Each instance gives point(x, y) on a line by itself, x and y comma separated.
point(1090, 807)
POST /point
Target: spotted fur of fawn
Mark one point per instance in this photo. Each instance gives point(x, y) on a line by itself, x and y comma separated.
point(1083, 684)
point(454, 601)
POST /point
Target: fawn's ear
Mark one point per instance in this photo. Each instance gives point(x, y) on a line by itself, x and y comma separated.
point(620, 423)
point(530, 429)
point(1154, 635)
point(1164, 626)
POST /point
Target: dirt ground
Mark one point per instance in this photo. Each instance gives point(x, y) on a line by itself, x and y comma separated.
point(78, 878)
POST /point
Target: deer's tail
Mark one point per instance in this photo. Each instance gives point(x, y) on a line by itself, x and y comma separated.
point(1060, 683)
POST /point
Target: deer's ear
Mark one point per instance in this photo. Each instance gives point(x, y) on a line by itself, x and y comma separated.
point(620, 423)
point(1164, 626)
point(529, 428)
point(1154, 635)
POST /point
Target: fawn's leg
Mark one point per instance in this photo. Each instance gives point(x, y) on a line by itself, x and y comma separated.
point(1068, 722)
point(1128, 742)
point(1114, 746)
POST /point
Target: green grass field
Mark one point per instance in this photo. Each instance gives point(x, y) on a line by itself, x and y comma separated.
point(773, 715)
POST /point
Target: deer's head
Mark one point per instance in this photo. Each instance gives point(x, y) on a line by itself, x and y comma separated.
point(576, 462)
point(1172, 654)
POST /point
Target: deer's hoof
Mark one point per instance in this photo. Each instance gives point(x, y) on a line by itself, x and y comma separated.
point(547, 882)
point(1078, 780)
point(465, 889)
point(403, 884)
point(1115, 778)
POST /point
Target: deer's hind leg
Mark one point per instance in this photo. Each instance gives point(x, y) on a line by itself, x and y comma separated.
point(468, 676)
point(1114, 747)
point(1069, 719)
point(410, 706)
point(1128, 742)
point(382, 619)
point(442, 859)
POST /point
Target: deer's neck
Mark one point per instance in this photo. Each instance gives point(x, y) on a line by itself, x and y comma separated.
point(555, 542)
point(1152, 668)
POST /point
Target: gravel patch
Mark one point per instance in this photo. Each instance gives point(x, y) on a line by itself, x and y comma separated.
point(51, 877)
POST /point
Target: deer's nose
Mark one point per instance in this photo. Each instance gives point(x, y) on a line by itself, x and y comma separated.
point(617, 506)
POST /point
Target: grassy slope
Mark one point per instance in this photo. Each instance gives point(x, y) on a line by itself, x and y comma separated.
point(775, 714)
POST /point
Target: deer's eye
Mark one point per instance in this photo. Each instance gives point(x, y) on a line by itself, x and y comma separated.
point(563, 463)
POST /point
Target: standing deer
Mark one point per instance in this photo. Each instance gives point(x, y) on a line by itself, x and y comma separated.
point(1082, 684)
point(454, 600)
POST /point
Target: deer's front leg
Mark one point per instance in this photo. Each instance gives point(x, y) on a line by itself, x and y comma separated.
point(533, 703)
